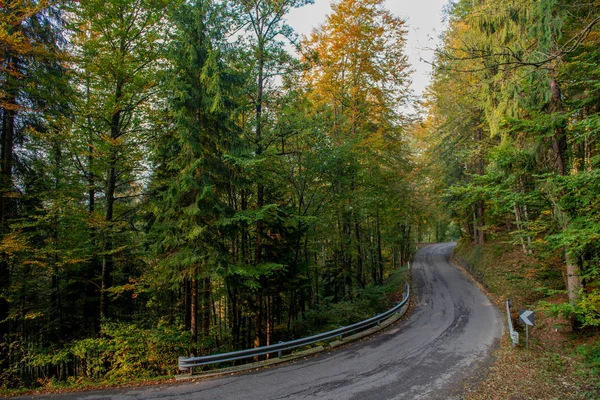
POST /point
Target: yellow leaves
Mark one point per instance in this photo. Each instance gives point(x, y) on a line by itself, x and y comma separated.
point(112, 142)
point(73, 261)
point(375, 142)
point(13, 243)
point(132, 286)
point(35, 263)
point(360, 69)
point(12, 38)
point(33, 315)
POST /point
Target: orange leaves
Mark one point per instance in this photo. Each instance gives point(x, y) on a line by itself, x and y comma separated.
point(360, 69)
point(13, 41)
point(13, 243)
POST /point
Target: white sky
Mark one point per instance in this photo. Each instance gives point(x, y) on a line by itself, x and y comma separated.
point(424, 20)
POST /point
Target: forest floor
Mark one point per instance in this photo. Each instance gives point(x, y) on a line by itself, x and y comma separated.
point(560, 363)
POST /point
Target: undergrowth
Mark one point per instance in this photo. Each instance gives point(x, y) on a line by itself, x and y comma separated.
point(562, 363)
point(129, 353)
point(370, 301)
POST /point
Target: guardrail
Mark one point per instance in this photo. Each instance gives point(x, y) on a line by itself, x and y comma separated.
point(187, 363)
point(514, 335)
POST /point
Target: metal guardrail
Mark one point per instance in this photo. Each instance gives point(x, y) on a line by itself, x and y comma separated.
point(186, 363)
point(514, 335)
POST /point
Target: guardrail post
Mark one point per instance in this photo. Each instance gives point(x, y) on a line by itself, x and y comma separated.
point(180, 367)
point(280, 352)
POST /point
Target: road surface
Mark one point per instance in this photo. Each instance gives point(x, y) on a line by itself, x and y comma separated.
point(444, 345)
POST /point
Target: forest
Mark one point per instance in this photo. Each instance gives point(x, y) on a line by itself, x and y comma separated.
point(512, 134)
point(188, 177)
point(175, 181)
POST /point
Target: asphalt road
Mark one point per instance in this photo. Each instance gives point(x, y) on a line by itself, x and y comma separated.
point(443, 346)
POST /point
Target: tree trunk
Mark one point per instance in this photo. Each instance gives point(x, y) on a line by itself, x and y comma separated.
point(573, 285)
point(235, 317)
point(379, 250)
point(475, 233)
point(359, 254)
point(111, 184)
point(559, 149)
point(559, 138)
point(260, 190)
point(268, 318)
point(107, 256)
point(481, 221)
point(257, 321)
point(55, 297)
point(518, 222)
point(194, 313)
point(8, 126)
point(206, 307)
point(187, 303)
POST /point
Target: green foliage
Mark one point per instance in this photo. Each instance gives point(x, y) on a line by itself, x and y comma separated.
point(563, 309)
point(588, 309)
point(591, 354)
point(513, 107)
point(370, 301)
point(167, 197)
point(124, 351)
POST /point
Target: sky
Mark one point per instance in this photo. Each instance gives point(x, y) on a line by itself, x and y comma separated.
point(424, 20)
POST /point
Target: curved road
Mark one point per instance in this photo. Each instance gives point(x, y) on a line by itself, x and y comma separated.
point(443, 345)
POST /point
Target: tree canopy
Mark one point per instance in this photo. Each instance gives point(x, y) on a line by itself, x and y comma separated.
point(512, 117)
point(173, 177)
point(174, 181)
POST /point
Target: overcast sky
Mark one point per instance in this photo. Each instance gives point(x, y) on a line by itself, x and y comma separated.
point(424, 19)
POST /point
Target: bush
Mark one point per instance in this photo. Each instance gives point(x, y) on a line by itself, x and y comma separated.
point(588, 309)
point(123, 352)
point(370, 301)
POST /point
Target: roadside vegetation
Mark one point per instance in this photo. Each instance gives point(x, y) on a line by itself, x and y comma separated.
point(174, 182)
point(511, 138)
point(127, 355)
point(560, 363)
point(511, 146)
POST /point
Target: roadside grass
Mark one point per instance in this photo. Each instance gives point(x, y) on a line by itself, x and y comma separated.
point(52, 386)
point(560, 363)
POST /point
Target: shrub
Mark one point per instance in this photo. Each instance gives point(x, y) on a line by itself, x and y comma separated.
point(123, 351)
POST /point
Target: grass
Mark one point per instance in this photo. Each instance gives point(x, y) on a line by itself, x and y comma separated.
point(560, 363)
point(53, 386)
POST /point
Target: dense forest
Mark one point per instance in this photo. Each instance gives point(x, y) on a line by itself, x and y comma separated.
point(176, 182)
point(511, 136)
point(188, 177)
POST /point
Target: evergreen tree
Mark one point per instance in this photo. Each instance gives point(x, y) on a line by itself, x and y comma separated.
point(517, 52)
point(191, 172)
point(32, 88)
point(359, 79)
